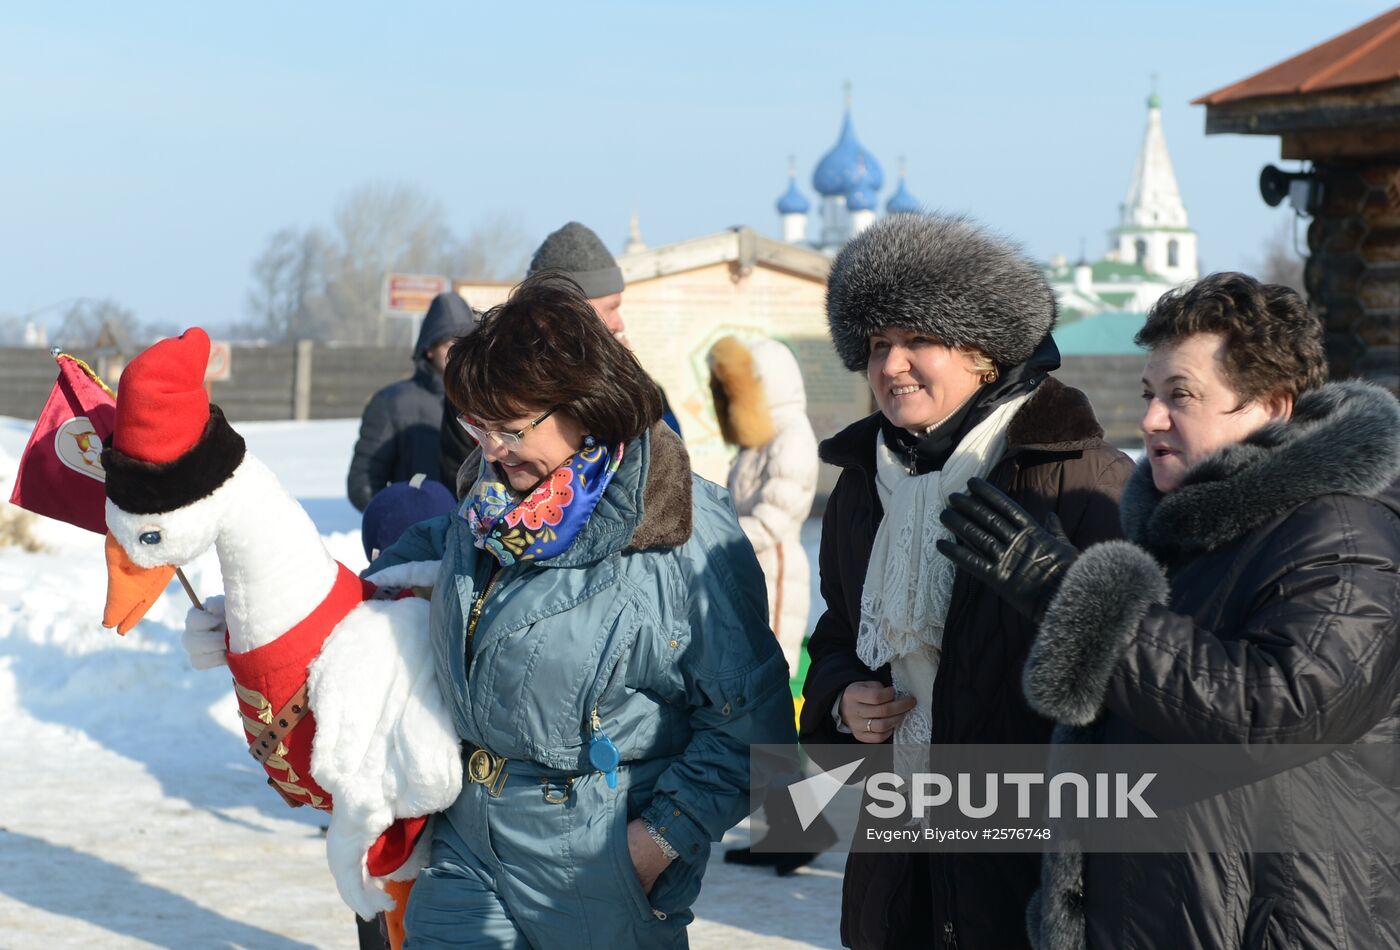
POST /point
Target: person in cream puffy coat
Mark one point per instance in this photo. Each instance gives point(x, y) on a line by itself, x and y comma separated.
point(762, 408)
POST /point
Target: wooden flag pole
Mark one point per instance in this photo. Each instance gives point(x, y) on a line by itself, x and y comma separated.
point(185, 583)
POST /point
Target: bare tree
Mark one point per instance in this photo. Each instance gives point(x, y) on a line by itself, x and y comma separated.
point(1280, 262)
point(85, 320)
point(328, 285)
point(379, 229)
point(287, 277)
point(496, 249)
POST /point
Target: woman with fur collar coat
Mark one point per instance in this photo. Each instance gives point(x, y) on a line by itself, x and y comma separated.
point(599, 633)
point(951, 326)
point(1255, 603)
point(761, 405)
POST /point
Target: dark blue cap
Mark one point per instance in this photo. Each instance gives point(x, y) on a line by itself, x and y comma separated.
point(400, 505)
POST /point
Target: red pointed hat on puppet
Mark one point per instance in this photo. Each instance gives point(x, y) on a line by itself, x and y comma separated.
point(170, 446)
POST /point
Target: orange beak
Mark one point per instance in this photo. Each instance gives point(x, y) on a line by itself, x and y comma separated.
point(131, 590)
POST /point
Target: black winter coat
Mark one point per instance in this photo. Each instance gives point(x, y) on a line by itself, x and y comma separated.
point(398, 436)
point(399, 428)
point(456, 445)
point(1055, 460)
point(1276, 620)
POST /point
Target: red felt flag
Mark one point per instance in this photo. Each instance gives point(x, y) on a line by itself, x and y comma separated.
point(60, 473)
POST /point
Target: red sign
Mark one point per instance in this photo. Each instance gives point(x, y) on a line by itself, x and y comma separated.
point(410, 294)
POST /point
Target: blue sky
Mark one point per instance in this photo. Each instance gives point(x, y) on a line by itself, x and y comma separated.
point(147, 150)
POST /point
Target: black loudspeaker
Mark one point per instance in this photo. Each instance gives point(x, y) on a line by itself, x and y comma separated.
point(1273, 185)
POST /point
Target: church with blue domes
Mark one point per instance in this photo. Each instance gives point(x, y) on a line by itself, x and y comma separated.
point(847, 181)
point(1151, 250)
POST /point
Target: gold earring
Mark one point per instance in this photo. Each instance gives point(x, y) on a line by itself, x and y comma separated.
point(990, 376)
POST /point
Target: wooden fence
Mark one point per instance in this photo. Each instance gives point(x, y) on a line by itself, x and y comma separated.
point(320, 381)
point(298, 381)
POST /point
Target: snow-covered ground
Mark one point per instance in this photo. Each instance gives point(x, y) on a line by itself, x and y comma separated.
point(130, 812)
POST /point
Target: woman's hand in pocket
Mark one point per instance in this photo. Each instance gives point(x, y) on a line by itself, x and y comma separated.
point(647, 857)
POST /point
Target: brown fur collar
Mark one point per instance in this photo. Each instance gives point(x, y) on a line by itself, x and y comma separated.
point(740, 405)
point(666, 501)
point(1055, 417)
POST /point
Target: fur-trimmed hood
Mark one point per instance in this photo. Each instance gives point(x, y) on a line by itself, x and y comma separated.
point(939, 274)
point(1343, 438)
point(741, 406)
point(757, 387)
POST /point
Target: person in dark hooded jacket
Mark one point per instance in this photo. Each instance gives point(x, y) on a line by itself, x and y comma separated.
point(1256, 604)
point(399, 431)
point(951, 325)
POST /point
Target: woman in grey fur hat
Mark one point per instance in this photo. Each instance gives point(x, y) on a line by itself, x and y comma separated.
point(1255, 604)
point(951, 325)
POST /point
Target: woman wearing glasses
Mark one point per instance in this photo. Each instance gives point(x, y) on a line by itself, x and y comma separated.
point(601, 633)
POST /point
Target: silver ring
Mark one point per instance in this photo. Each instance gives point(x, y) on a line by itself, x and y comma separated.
point(867, 726)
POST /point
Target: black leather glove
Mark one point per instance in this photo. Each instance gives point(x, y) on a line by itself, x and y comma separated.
point(1003, 547)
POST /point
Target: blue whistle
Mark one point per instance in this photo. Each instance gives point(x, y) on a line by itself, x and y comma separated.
point(604, 757)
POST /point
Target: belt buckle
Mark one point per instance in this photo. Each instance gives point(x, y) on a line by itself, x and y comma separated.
point(484, 768)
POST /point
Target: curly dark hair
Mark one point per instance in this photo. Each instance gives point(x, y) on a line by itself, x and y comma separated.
point(1273, 345)
point(546, 347)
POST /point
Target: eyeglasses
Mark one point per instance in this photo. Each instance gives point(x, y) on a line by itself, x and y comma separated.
point(496, 437)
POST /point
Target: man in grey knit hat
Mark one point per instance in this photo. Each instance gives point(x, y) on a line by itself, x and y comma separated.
point(578, 253)
point(574, 250)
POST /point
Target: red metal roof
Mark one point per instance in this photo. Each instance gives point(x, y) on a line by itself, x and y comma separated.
point(1366, 55)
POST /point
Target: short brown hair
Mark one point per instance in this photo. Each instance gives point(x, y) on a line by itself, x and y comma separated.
point(546, 347)
point(1273, 345)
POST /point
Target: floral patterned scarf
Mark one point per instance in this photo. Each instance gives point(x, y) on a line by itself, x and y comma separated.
point(544, 523)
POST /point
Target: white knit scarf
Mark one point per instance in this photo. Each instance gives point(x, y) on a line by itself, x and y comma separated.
point(908, 583)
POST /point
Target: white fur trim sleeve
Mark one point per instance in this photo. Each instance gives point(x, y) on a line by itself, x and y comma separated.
point(408, 574)
point(1087, 627)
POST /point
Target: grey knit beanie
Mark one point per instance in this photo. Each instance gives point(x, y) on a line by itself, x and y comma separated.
point(943, 275)
point(578, 252)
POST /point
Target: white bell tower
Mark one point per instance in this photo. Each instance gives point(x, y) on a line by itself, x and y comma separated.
point(1153, 231)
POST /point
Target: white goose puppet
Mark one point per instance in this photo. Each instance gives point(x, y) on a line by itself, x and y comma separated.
point(337, 692)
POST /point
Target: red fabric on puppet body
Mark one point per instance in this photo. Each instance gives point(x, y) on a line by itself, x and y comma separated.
point(180, 480)
point(266, 679)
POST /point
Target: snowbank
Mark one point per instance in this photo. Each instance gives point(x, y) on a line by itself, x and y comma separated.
point(130, 811)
